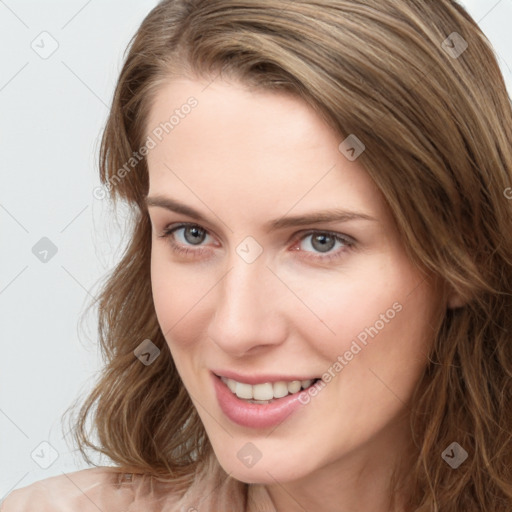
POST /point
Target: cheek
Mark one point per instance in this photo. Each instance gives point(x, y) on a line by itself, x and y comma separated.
point(169, 293)
point(384, 348)
point(390, 320)
point(178, 293)
point(342, 307)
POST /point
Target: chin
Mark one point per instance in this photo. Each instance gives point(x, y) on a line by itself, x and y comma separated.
point(263, 471)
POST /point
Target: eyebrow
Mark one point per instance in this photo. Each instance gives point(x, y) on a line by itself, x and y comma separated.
point(317, 217)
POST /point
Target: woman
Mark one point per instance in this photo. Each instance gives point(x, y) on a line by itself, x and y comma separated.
point(314, 309)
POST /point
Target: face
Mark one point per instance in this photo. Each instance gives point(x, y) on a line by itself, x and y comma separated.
point(276, 261)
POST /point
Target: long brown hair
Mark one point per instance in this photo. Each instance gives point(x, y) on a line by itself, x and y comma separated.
point(418, 83)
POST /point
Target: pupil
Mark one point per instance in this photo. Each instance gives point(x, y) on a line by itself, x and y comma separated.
point(326, 242)
point(197, 235)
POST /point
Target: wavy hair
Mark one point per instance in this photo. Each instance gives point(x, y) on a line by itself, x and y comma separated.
point(436, 120)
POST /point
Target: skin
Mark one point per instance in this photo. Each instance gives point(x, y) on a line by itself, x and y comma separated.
point(243, 158)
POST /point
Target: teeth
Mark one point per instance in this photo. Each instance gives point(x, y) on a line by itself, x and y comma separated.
point(294, 386)
point(306, 383)
point(244, 391)
point(263, 393)
point(280, 389)
point(231, 384)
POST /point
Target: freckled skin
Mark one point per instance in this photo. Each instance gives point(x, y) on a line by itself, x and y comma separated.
point(243, 158)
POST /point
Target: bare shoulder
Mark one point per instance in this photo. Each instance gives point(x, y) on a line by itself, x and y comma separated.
point(84, 490)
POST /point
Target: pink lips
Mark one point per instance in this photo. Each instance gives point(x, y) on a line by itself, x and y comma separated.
point(260, 379)
point(254, 415)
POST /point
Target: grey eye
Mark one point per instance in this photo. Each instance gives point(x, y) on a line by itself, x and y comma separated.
point(322, 242)
point(193, 234)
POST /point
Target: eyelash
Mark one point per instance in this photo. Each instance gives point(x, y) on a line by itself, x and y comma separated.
point(348, 242)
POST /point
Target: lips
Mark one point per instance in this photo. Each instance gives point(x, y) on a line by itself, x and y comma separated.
point(251, 413)
point(260, 378)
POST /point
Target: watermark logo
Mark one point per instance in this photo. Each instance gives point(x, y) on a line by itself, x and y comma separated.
point(249, 455)
point(249, 249)
point(44, 455)
point(44, 250)
point(351, 148)
point(454, 455)
point(147, 352)
point(454, 45)
point(45, 45)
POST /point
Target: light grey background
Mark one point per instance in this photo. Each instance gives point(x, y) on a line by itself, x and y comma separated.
point(53, 109)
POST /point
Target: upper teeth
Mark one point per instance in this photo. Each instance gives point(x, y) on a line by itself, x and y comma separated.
point(265, 391)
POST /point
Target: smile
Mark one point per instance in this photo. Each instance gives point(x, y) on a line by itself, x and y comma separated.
point(259, 405)
point(266, 392)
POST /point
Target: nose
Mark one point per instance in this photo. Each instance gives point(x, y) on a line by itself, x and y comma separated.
point(249, 313)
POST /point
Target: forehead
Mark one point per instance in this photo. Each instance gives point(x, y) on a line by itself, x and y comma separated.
point(270, 149)
point(259, 117)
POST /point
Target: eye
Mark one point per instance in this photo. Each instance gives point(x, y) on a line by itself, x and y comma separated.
point(322, 243)
point(190, 234)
